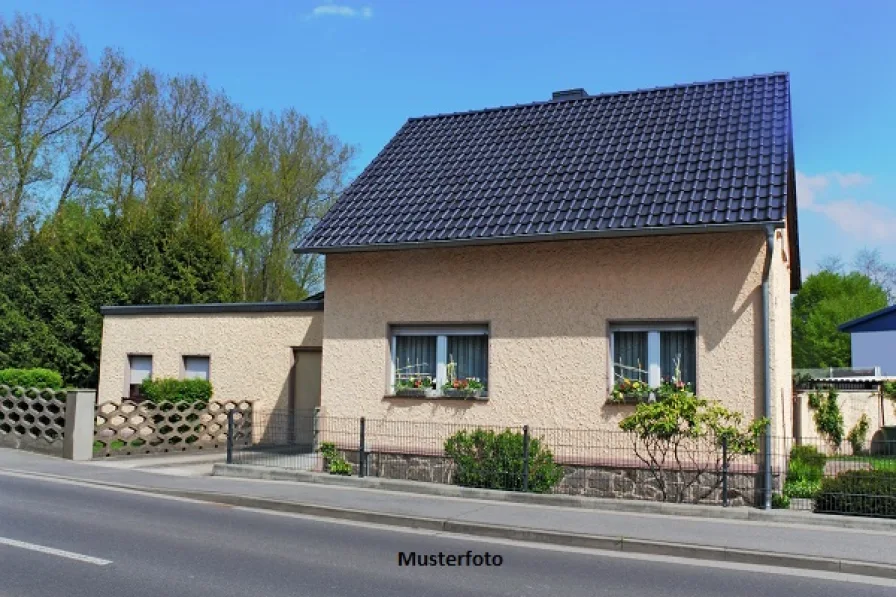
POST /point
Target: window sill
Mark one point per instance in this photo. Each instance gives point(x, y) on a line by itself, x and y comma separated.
point(483, 398)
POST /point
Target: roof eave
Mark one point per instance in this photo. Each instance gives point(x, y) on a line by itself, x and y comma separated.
point(845, 327)
point(560, 236)
point(212, 308)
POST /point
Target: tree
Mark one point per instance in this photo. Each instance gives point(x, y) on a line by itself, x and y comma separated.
point(826, 300)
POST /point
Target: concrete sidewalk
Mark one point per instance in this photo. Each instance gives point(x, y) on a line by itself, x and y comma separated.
point(768, 542)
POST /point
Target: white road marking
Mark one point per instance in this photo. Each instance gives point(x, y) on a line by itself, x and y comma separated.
point(54, 552)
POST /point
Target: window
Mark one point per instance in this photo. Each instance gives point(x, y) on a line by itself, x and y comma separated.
point(651, 352)
point(196, 368)
point(139, 368)
point(425, 351)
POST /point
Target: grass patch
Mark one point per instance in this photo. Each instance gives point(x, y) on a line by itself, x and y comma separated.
point(881, 463)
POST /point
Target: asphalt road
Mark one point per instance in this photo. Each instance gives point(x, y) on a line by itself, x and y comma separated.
point(124, 543)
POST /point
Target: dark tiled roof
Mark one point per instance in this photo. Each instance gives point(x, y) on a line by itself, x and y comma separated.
point(699, 155)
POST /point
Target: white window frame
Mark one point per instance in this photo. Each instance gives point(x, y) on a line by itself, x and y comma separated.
point(129, 369)
point(183, 365)
point(441, 332)
point(653, 345)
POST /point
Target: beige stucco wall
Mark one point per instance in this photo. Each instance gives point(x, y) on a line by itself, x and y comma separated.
point(853, 404)
point(548, 306)
point(250, 353)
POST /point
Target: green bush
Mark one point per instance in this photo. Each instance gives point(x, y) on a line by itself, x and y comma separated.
point(828, 418)
point(492, 460)
point(798, 470)
point(336, 464)
point(801, 488)
point(858, 493)
point(176, 390)
point(858, 435)
point(780, 501)
point(808, 455)
point(31, 378)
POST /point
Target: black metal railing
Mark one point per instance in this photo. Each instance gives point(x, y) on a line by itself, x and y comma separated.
point(805, 474)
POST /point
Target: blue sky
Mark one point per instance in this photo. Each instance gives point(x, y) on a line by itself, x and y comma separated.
point(366, 66)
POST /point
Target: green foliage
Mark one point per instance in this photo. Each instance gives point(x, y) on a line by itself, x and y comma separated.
point(827, 416)
point(826, 300)
point(780, 501)
point(492, 460)
point(151, 190)
point(858, 493)
point(31, 378)
point(176, 390)
point(802, 488)
point(858, 435)
point(808, 455)
point(805, 470)
point(687, 432)
point(335, 463)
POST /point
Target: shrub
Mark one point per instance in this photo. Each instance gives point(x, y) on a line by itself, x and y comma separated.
point(801, 488)
point(335, 463)
point(828, 418)
point(492, 460)
point(858, 435)
point(808, 455)
point(780, 501)
point(31, 378)
point(858, 493)
point(797, 470)
point(176, 390)
point(684, 434)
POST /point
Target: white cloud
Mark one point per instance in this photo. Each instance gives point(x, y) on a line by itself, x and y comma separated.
point(336, 10)
point(853, 179)
point(865, 220)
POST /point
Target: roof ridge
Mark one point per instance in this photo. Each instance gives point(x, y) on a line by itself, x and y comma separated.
point(602, 95)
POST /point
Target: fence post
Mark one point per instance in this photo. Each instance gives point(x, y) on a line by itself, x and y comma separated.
point(80, 420)
point(725, 471)
point(315, 430)
point(525, 458)
point(361, 455)
point(230, 436)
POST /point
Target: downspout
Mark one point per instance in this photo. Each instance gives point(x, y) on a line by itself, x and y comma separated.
point(766, 352)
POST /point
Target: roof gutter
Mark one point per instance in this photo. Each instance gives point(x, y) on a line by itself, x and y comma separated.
point(766, 351)
point(555, 236)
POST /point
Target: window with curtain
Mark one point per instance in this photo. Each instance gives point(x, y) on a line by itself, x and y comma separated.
point(426, 351)
point(471, 355)
point(196, 368)
point(415, 356)
point(139, 369)
point(650, 352)
point(630, 356)
point(679, 347)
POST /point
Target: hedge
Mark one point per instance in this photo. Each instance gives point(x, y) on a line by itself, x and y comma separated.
point(176, 390)
point(495, 461)
point(858, 493)
point(31, 378)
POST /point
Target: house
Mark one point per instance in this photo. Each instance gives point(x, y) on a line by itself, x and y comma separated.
point(873, 340)
point(547, 249)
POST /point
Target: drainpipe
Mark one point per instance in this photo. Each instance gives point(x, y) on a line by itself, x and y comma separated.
point(766, 343)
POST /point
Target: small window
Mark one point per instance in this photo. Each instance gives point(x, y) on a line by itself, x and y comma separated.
point(655, 353)
point(139, 369)
point(196, 368)
point(426, 352)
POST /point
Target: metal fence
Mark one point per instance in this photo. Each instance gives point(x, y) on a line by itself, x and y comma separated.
point(849, 479)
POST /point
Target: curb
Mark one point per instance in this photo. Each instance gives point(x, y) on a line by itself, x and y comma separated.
point(598, 542)
point(246, 471)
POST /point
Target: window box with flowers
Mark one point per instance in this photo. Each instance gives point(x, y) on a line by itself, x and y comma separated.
point(464, 387)
point(416, 387)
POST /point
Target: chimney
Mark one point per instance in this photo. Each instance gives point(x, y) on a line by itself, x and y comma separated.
point(569, 94)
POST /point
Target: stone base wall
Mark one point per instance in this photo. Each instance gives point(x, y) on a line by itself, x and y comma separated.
point(744, 488)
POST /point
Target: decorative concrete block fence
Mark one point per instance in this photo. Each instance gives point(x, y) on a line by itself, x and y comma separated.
point(56, 422)
point(126, 427)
